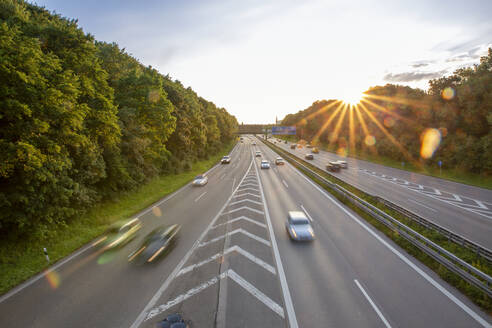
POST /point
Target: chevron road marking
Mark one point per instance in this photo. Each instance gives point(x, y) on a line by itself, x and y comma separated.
point(240, 230)
point(243, 208)
point(239, 219)
point(245, 200)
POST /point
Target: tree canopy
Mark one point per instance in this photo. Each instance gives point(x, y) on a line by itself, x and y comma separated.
point(81, 120)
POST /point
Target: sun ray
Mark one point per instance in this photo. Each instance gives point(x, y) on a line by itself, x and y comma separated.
point(385, 110)
point(351, 131)
point(322, 110)
point(390, 137)
point(334, 134)
point(364, 128)
point(327, 123)
point(401, 101)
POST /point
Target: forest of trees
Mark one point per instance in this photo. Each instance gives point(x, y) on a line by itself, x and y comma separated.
point(81, 120)
point(390, 121)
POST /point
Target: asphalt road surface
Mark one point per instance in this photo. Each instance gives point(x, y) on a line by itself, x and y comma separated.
point(460, 208)
point(234, 266)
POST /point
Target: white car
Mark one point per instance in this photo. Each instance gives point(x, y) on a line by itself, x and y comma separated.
point(343, 164)
point(200, 180)
point(265, 164)
point(279, 161)
point(226, 160)
point(298, 227)
point(258, 153)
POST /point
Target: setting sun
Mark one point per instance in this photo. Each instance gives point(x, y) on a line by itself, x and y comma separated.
point(352, 97)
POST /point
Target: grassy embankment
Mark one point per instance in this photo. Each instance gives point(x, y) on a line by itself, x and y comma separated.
point(452, 174)
point(21, 259)
point(476, 295)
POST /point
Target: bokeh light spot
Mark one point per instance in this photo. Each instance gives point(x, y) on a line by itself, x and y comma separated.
point(389, 121)
point(156, 211)
point(448, 93)
point(53, 278)
point(431, 138)
point(106, 257)
point(342, 151)
point(370, 140)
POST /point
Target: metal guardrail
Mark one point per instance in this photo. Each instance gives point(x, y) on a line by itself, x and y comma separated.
point(443, 256)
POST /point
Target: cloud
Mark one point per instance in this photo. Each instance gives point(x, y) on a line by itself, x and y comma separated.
point(413, 76)
point(417, 65)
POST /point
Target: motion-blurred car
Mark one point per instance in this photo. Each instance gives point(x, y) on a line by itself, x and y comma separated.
point(309, 146)
point(285, 141)
point(265, 164)
point(225, 160)
point(333, 167)
point(156, 244)
point(309, 156)
point(121, 233)
point(293, 146)
point(258, 153)
point(200, 180)
point(254, 143)
point(279, 161)
point(298, 227)
point(315, 150)
point(343, 164)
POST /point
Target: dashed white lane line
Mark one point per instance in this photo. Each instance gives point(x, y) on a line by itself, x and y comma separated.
point(233, 183)
point(381, 316)
point(307, 214)
point(198, 198)
point(285, 183)
point(418, 203)
point(222, 176)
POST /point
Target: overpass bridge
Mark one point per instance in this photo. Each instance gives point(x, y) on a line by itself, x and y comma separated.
point(253, 128)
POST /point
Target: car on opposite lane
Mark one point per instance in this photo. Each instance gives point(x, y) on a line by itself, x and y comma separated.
point(258, 153)
point(279, 161)
point(298, 227)
point(343, 164)
point(200, 180)
point(156, 244)
point(121, 233)
point(265, 164)
point(333, 167)
point(309, 156)
point(226, 160)
point(315, 150)
point(293, 146)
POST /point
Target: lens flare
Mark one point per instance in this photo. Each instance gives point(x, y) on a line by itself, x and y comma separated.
point(431, 138)
point(342, 151)
point(156, 211)
point(448, 93)
point(53, 278)
point(370, 140)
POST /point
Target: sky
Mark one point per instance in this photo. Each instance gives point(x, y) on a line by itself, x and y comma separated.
point(262, 60)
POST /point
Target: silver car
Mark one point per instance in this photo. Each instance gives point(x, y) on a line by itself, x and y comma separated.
point(343, 164)
point(298, 227)
point(258, 153)
point(265, 164)
point(200, 180)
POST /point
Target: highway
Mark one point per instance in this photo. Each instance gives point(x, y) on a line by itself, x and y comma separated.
point(462, 209)
point(234, 266)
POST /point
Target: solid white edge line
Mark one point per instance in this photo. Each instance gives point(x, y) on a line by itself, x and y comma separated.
point(198, 198)
point(420, 204)
point(434, 283)
point(381, 316)
point(307, 214)
point(173, 274)
point(289, 307)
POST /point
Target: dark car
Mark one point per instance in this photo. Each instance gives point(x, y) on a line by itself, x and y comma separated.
point(293, 146)
point(333, 167)
point(309, 156)
point(156, 244)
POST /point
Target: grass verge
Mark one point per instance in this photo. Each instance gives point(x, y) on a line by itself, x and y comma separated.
point(452, 174)
point(473, 293)
point(21, 259)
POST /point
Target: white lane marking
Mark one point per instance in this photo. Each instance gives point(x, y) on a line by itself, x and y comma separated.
point(285, 183)
point(437, 191)
point(458, 198)
point(236, 278)
point(480, 204)
point(222, 176)
point(434, 283)
point(307, 214)
point(243, 208)
point(245, 194)
point(256, 293)
point(171, 277)
point(418, 203)
point(198, 198)
point(291, 314)
point(239, 219)
point(248, 188)
point(240, 230)
point(233, 183)
point(246, 200)
point(381, 316)
point(249, 184)
point(236, 249)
